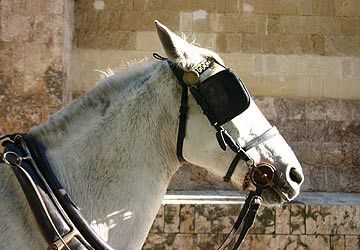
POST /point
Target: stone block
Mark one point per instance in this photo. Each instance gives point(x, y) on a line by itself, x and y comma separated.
point(342, 179)
point(144, 21)
point(158, 225)
point(207, 22)
point(351, 26)
point(187, 218)
point(288, 242)
point(47, 29)
point(170, 241)
point(282, 220)
point(267, 106)
point(347, 8)
point(15, 28)
point(292, 130)
point(279, 7)
point(54, 6)
point(246, 23)
point(19, 118)
point(307, 25)
point(297, 219)
point(296, 108)
point(185, 23)
point(228, 42)
point(314, 180)
point(118, 4)
point(342, 45)
point(303, 8)
point(264, 222)
point(215, 218)
point(148, 41)
point(176, 6)
point(337, 242)
point(332, 219)
point(105, 39)
point(206, 40)
point(282, 107)
point(83, 4)
point(172, 218)
point(80, 19)
point(272, 43)
point(6, 55)
point(323, 7)
point(347, 68)
point(352, 242)
point(208, 241)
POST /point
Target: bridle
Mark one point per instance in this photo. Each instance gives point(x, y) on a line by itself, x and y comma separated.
point(231, 91)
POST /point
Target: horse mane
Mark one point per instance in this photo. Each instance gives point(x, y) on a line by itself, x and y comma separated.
point(112, 88)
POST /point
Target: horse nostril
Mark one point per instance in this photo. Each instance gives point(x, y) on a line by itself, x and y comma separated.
point(295, 176)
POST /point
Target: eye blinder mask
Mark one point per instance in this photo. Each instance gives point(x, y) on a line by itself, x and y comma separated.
point(222, 96)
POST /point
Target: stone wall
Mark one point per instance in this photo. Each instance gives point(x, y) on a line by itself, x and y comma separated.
point(35, 51)
point(326, 222)
point(300, 59)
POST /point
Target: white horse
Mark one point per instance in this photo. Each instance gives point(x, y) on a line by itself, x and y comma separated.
point(114, 150)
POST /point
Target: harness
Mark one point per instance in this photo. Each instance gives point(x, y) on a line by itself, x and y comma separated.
point(59, 219)
point(221, 97)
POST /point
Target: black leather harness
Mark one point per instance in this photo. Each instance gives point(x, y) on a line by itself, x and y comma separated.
point(59, 219)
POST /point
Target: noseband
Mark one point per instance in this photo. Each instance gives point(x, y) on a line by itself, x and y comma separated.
point(222, 97)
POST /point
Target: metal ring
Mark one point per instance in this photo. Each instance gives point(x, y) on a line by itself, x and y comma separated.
point(263, 173)
point(13, 160)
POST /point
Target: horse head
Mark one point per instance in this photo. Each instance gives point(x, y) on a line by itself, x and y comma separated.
point(200, 145)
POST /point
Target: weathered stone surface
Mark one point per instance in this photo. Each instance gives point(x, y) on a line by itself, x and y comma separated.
point(323, 7)
point(16, 118)
point(297, 219)
point(342, 45)
point(99, 39)
point(158, 225)
point(172, 218)
point(281, 7)
point(351, 26)
point(15, 28)
point(347, 8)
point(282, 220)
point(315, 179)
point(352, 242)
point(272, 43)
point(187, 218)
point(267, 106)
point(332, 220)
point(215, 218)
point(307, 25)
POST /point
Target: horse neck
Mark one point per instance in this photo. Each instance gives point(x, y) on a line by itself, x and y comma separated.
point(122, 155)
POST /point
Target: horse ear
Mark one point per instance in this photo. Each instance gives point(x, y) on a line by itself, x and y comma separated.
point(173, 45)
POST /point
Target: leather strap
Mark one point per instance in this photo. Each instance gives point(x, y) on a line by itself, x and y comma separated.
point(60, 220)
point(246, 217)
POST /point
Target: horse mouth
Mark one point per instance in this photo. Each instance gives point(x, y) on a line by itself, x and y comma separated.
point(277, 195)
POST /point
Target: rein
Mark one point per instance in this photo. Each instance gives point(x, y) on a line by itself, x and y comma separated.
point(260, 175)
